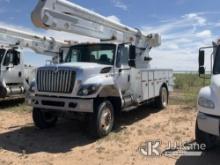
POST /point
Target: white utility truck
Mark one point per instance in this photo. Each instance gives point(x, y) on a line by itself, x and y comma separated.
point(15, 76)
point(96, 80)
point(208, 105)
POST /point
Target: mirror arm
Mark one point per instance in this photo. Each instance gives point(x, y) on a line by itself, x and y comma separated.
point(147, 58)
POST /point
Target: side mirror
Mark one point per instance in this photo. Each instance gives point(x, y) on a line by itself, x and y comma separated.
point(132, 63)
point(132, 56)
point(201, 58)
point(61, 56)
point(10, 66)
point(201, 70)
point(63, 52)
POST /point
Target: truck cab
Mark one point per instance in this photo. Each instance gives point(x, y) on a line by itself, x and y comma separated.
point(14, 75)
point(97, 80)
point(208, 118)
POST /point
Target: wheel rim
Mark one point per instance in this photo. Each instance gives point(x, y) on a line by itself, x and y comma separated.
point(164, 97)
point(106, 119)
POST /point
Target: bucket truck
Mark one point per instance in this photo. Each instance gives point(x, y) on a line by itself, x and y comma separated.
point(96, 80)
point(15, 76)
point(208, 119)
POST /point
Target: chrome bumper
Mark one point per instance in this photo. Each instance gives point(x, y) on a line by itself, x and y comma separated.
point(63, 104)
point(209, 124)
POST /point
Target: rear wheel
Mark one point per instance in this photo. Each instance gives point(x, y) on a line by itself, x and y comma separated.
point(162, 100)
point(102, 121)
point(205, 138)
point(43, 119)
point(3, 92)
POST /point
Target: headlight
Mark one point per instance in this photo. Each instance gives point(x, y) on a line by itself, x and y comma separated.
point(89, 89)
point(32, 88)
point(204, 102)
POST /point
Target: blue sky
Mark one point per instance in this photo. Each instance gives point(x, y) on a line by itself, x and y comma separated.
point(185, 25)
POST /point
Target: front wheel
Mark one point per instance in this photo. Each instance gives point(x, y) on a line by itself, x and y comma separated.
point(43, 119)
point(205, 138)
point(102, 121)
point(162, 100)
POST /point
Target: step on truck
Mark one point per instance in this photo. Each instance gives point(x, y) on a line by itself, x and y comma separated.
point(16, 77)
point(208, 119)
point(96, 80)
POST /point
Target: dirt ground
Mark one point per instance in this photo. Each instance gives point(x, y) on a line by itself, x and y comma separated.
point(67, 143)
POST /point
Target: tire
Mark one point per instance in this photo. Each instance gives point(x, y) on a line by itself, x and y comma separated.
point(162, 100)
point(205, 138)
point(44, 120)
point(3, 92)
point(102, 120)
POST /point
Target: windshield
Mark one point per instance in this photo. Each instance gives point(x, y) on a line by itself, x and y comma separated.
point(2, 52)
point(216, 68)
point(95, 53)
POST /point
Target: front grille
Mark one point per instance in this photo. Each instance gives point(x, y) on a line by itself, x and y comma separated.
point(55, 80)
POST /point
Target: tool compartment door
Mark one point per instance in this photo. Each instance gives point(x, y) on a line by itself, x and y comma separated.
point(144, 85)
point(147, 84)
point(151, 85)
point(159, 78)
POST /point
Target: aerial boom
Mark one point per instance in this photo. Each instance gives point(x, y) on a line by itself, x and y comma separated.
point(40, 44)
point(62, 15)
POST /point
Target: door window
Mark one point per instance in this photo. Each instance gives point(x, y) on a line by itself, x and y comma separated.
point(12, 57)
point(122, 56)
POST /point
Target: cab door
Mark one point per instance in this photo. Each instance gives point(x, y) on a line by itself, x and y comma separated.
point(123, 70)
point(12, 69)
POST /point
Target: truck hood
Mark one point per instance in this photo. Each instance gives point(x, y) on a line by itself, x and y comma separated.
point(87, 69)
point(84, 66)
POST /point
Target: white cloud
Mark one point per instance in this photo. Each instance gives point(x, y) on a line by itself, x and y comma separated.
point(204, 34)
point(186, 21)
point(181, 40)
point(114, 18)
point(196, 18)
point(120, 4)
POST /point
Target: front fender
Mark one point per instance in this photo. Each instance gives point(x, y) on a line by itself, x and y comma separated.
point(209, 93)
point(108, 88)
point(109, 91)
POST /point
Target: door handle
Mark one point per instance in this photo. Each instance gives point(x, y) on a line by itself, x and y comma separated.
point(129, 78)
point(120, 70)
point(19, 74)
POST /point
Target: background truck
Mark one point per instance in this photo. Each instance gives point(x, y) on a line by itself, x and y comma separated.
point(208, 119)
point(96, 80)
point(15, 76)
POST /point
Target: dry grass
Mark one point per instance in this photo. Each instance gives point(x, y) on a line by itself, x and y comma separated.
point(186, 89)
